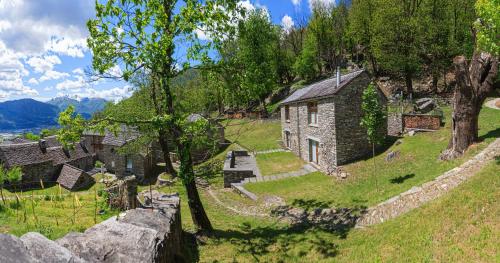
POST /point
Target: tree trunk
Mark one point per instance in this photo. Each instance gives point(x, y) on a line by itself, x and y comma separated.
point(163, 139)
point(1, 192)
point(198, 214)
point(474, 82)
point(409, 83)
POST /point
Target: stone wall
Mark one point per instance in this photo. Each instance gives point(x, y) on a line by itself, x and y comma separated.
point(234, 174)
point(339, 133)
point(46, 171)
point(139, 235)
point(123, 193)
point(352, 140)
point(142, 166)
point(394, 124)
point(420, 121)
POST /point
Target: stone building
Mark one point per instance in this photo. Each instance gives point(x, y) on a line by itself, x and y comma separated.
point(44, 160)
point(109, 146)
point(321, 122)
point(73, 178)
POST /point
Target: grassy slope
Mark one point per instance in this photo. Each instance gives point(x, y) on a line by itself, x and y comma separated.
point(53, 218)
point(462, 226)
point(256, 135)
point(417, 164)
point(278, 162)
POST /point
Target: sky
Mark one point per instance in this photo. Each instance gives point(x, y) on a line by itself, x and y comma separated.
point(43, 51)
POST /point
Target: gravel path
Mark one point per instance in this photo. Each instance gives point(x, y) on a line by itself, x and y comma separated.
point(417, 196)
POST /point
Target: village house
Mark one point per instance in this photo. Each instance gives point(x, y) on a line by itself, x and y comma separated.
point(44, 160)
point(321, 122)
point(108, 147)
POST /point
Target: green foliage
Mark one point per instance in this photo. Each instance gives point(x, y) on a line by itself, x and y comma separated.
point(31, 136)
point(47, 132)
point(488, 25)
point(3, 175)
point(14, 175)
point(374, 114)
point(306, 65)
point(257, 41)
point(72, 127)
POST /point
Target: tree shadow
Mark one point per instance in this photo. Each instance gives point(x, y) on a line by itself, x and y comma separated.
point(189, 248)
point(278, 239)
point(310, 204)
point(401, 179)
point(497, 160)
point(490, 134)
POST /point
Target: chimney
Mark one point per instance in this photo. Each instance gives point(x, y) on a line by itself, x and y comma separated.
point(43, 145)
point(338, 77)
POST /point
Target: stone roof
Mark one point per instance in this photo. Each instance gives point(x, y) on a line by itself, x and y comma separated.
point(52, 141)
point(70, 175)
point(31, 153)
point(16, 140)
point(321, 89)
point(124, 135)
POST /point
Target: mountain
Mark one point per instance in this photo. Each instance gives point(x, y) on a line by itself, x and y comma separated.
point(86, 106)
point(32, 115)
point(27, 114)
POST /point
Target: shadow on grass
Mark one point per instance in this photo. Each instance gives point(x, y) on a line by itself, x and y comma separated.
point(310, 204)
point(497, 159)
point(401, 179)
point(490, 134)
point(314, 232)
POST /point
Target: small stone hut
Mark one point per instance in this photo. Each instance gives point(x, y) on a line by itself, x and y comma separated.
point(73, 178)
point(321, 122)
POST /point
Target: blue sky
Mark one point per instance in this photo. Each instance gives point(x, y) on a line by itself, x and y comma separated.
point(43, 53)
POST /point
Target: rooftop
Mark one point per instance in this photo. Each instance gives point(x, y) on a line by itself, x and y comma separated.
point(324, 88)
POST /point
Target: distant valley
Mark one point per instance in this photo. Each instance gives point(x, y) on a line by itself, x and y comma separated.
point(32, 115)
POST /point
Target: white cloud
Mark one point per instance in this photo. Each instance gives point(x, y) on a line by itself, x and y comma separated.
point(33, 81)
point(115, 71)
point(68, 84)
point(313, 3)
point(68, 47)
point(296, 3)
point(52, 75)
point(12, 72)
point(78, 71)
point(44, 63)
point(287, 23)
point(114, 94)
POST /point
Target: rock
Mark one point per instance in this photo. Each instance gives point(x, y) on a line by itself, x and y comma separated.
point(392, 155)
point(48, 250)
point(203, 183)
point(398, 142)
point(294, 216)
point(412, 133)
point(12, 250)
point(139, 235)
point(425, 105)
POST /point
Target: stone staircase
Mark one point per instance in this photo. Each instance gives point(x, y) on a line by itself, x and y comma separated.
point(239, 187)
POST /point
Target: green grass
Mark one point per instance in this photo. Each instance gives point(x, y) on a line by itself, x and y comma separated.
point(418, 163)
point(52, 211)
point(255, 135)
point(461, 226)
point(278, 162)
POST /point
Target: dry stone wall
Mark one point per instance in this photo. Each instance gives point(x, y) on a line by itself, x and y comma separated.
point(139, 235)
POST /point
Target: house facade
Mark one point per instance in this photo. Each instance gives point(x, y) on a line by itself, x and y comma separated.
point(321, 122)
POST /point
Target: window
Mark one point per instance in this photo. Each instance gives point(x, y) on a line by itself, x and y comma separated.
point(313, 151)
point(287, 112)
point(287, 139)
point(129, 164)
point(312, 113)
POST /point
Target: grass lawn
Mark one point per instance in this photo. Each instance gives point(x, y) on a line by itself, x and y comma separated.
point(462, 226)
point(56, 211)
point(278, 162)
point(255, 135)
point(418, 163)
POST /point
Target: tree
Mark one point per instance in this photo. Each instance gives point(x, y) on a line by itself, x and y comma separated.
point(475, 80)
point(360, 28)
point(14, 175)
point(2, 181)
point(257, 44)
point(373, 119)
point(141, 35)
point(306, 65)
point(396, 42)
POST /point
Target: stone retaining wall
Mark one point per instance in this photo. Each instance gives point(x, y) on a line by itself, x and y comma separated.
point(394, 124)
point(139, 235)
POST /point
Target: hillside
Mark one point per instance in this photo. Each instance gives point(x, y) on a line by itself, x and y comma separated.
point(86, 107)
point(27, 114)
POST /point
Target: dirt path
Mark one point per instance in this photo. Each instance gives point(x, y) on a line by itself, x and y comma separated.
point(417, 196)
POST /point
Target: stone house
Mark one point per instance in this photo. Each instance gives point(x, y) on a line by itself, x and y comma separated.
point(108, 148)
point(43, 160)
point(73, 178)
point(321, 122)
